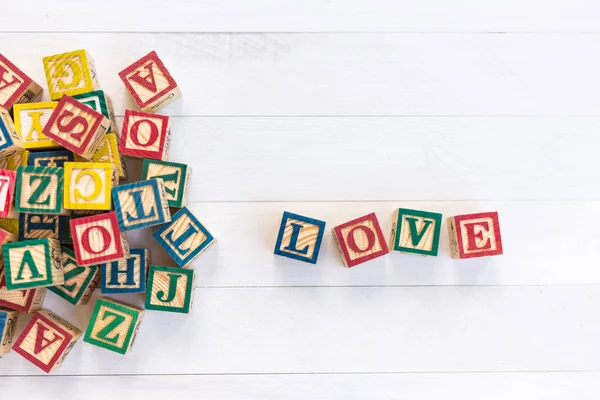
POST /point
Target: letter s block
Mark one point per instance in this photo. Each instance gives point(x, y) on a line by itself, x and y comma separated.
point(15, 86)
point(88, 185)
point(141, 204)
point(80, 282)
point(416, 232)
point(47, 340)
point(30, 120)
point(127, 275)
point(170, 289)
point(32, 264)
point(145, 135)
point(97, 239)
point(360, 240)
point(39, 190)
point(70, 73)
point(299, 237)
point(475, 235)
point(10, 144)
point(8, 324)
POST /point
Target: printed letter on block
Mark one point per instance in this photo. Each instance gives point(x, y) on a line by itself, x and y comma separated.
point(8, 324)
point(145, 135)
point(56, 158)
point(10, 144)
point(176, 178)
point(70, 73)
point(170, 289)
point(475, 235)
point(80, 282)
point(360, 240)
point(30, 120)
point(38, 226)
point(97, 239)
point(299, 237)
point(32, 264)
point(416, 232)
point(7, 192)
point(141, 204)
point(125, 276)
point(15, 86)
point(88, 185)
point(39, 190)
point(99, 101)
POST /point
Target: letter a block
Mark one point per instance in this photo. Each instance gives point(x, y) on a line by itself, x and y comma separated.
point(88, 186)
point(70, 73)
point(416, 232)
point(32, 263)
point(8, 324)
point(150, 84)
point(145, 135)
point(113, 325)
point(39, 190)
point(15, 86)
point(170, 289)
point(99, 101)
point(7, 191)
point(175, 176)
point(475, 235)
point(141, 204)
point(360, 240)
point(125, 276)
point(184, 238)
point(97, 239)
point(299, 237)
point(10, 144)
point(47, 340)
point(80, 282)
point(30, 120)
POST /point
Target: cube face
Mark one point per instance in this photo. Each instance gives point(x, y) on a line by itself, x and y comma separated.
point(175, 176)
point(14, 161)
point(97, 239)
point(39, 190)
point(99, 101)
point(26, 300)
point(360, 240)
point(149, 83)
point(70, 73)
point(475, 235)
point(113, 325)
point(108, 152)
point(80, 282)
point(7, 192)
point(170, 289)
point(299, 237)
point(88, 186)
point(145, 135)
point(415, 231)
point(125, 276)
point(8, 325)
point(32, 263)
point(15, 86)
point(30, 120)
point(141, 204)
point(184, 238)
point(38, 226)
point(9, 139)
point(56, 158)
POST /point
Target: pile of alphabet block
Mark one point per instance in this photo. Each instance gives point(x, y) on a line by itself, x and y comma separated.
point(64, 215)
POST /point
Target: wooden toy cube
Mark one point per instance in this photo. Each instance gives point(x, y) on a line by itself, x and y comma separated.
point(150, 84)
point(39, 190)
point(6, 237)
point(108, 152)
point(126, 276)
point(32, 263)
point(8, 325)
point(55, 158)
point(101, 102)
point(11, 163)
point(10, 224)
point(145, 135)
point(7, 192)
point(38, 226)
point(88, 185)
point(141, 204)
point(10, 144)
point(97, 239)
point(170, 289)
point(475, 235)
point(175, 176)
point(15, 86)
point(30, 120)
point(47, 340)
point(70, 73)
point(415, 231)
point(27, 300)
point(80, 282)
point(184, 238)
point(299, 237)
point(76, 127)
point(360, 240)
point(113, 325)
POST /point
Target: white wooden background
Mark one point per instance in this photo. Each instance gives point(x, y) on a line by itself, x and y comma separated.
point(334, 109)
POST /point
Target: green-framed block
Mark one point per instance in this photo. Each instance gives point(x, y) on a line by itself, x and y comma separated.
point(99, 101)
point(39, 190)
point(170, 289)
point(175, 176)
point(415, 231)
point(32, 264)
point(80, 282)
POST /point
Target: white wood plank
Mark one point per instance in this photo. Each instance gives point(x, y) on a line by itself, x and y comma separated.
point(305, 15)
point(346, 74)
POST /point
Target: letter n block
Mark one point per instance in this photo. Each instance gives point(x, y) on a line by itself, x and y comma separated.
point(8, 324)
point(47, 340)
point(145, 135)
point(88, 185)
point(113, 325)
point(299, 237)
point(415, 231)
point(170, 289)
point(39, 190)
point(97, 239)
point(70, 73)
point(184, 238)
point(15, 86)
point(125, 276)
point(360, 240)
point(175, 176)
point(141, 204)
point(475, 235)
point(30, 120)
point(80, 282)
point(10, 144)
point(7, 191)
point(32, 263)
point(99, 101)
point(150, 83)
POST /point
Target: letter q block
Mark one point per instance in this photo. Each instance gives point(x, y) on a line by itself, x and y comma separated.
point(88, 186)
point(475, 235)
point(97, 239)
point(15, 86)
point(299, 237)
point(70, 73)
point(145, 135)
point(360, 240)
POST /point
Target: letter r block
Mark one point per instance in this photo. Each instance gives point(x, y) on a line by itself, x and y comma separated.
point(299, 237)
point(80, 282)
point(88, 185)
point(39, 190)
point(15, 86)
point(30, 120)
point(8, 324)
point(70, 73)
point(141, 204)
point(10, 144)
point(416, 232)
point(145, 135)
point(97, 239)
point(127, 275)
point(32, 264)
point(170, 289)
point(475, 235)
point(360, 240)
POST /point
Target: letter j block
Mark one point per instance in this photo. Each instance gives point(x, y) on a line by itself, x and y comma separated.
point(360, 240)
point(141, 204)
point(416, 232)
point(39, 190)
point(170, 289)
point(70, 73)
point(32, 264)
point(475, 235)
point(299, 237)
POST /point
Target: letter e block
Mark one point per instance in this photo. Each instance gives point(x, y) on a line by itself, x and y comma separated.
point(80, 282)
point(38, 226)
point(299, 237)
point(175, 176)
point(475, 235)
point(39, 190)
point(416, 232)
point(145, 135)
point(360, 240)
point(70, 73)
point(7, 191)
point(32, 263)
point(30, 120)
point(125, 276)
point(99, 101)
point(10, 144)
point(15, 86)
point(170, 289)
point(97, 239)
point(141, 204)
point(8, 324)
point(88, 185)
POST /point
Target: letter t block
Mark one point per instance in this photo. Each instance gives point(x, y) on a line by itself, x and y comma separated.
point(475, 235)
point(141, 204)
point(299, 237)
point(170, 289)
point(360, 240)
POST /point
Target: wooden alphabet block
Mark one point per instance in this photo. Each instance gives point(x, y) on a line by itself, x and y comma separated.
point(108, 152)
point(8, 325)
point(14, 161)
point(7, 191)
point(145, 135)
point(56, 158)
point(175, 176)
point(15, 86)
point(6, 237)
point(97, 239)
point(38, 226)
point(170, 289)
point(150, 83)
point(360, 240)
point(47, 340)
point(184, 238)
point(113, 325)
point(299, 237)
point(475, 235)
point(10, 144)
point(27, 301)
point(39, 190)
point(88, 185)
point(141, 204)
point(76, 127)
point(101, 102)
point(80, 282)
point(415, 231)
point(10, 224)
point(32, 263)
point(30, 120)
point(70, 73)
point(126, 276)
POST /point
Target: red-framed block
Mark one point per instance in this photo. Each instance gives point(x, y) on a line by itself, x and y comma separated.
point(145, 135)
point(97, 239)
point(26, 300)
point(475, 235)
point(15, 85)
point(7, 193)
point(360, 240)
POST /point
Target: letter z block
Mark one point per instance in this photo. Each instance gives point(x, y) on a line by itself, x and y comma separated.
point(150, 83)
point(15, 86)
point(141, 204)
point(8, 324)
point(70, 73)
point(97, 239)
point(80, 282)
point(125, 276)
point(170, 289)
point(47, 340)
point(299, 237)
point(10, 144)
point(30, 120)
point(360, 240)
point(99, 101)
point(113, 325)
point(416, 232)
point(175, 176)
point(7, 191)
point(32, 263)
point(475, 235)
point(88, 186)
point(145, 135)
point(39, 190)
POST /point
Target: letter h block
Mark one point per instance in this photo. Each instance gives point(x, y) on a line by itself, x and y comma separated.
point(175, 176)
point(70, 73)
point(97, 239)
point(39, 190)
point(7, 191)
point(141, 204)
point(170, 289)
point(15, 86)
point(145, 135)
point(32, 264)
point(80, 282)
point(30, 120)
point(416, 232)
point(8, 324)
point(125, 276)
point(299, 237)
point(88, 185)
point(475, 235)
point(10, 144)
point(47, 340)
point(360, 240)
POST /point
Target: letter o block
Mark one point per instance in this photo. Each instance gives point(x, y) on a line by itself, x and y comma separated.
point(360, 240)
point(170, 289)
point(97, 239)
point(475, 235)
point(145, 135)
point(299, 237)
point(88, 186)
point(416, 232)
point(15, 86)
point(39, 190)
point(70, 73)
point(80, 282)
point(8, 324)
point(32, 264)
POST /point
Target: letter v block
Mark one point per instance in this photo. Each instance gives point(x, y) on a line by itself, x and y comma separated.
point(299, 237)
point(88, 186)
point(360, 240)
point(10, 144)
point(80, 282)
point(32, 264)
point(141, 204)
point(145, 135)
point(416, 232)
point(47, 340)
point(15, 86)
point(30, 120)
point(8, 324)
point(113, 325)
point(70, 73)
point(170, 289)
point(39, 190)
point(125, 276)
point(97, 239)
point(475, 235)
point(175, 176)
point(7, 190)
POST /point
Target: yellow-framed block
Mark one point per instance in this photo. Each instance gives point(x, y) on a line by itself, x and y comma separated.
point(30, 119)
point(88, 185)
point(108, 152)
point(70, 73)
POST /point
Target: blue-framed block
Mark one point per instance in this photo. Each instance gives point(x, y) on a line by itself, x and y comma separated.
point(141, 204)
point(56, 158)
point(35, 226)
point(9, 139)
point(299, 237)
point(126, 276)
point(8, 324)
